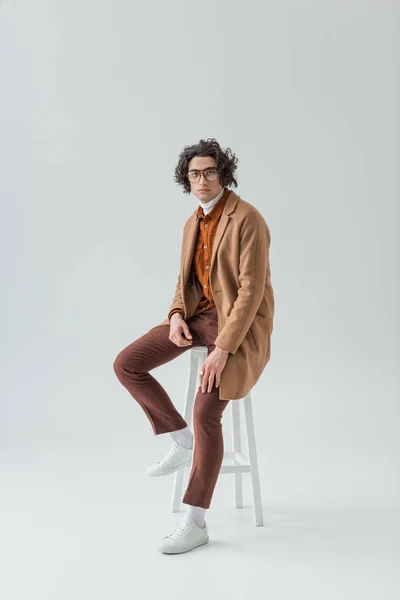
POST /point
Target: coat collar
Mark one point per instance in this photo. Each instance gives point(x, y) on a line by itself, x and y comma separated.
point(192, 228)
point(229, 197)
point(216, 210)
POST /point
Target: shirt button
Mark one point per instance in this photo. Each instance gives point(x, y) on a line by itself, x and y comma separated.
point(205, 246)
point(205, 285)
point(206, 225)
point(207, 266)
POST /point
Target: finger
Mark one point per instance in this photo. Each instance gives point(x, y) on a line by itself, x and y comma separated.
point(182, 338)
point(186, 330)
point(210, 382)
point(203, 381)
point(179, 341)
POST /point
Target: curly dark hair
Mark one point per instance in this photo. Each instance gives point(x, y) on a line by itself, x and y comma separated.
point(226, 163)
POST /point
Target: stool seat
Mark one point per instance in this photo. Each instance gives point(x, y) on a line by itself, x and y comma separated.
point(240, 462)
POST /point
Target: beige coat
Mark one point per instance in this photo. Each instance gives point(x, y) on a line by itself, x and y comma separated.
point(240, 283)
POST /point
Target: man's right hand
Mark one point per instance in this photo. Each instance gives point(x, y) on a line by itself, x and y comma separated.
point(179, 332)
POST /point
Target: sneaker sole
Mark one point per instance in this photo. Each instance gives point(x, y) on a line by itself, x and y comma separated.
point(187, 549)
point(185, 464)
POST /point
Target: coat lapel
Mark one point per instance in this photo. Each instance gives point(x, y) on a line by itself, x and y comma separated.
point(223, 222)
point(189, 243)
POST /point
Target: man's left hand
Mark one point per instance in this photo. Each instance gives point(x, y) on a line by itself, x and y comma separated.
point(212, 368)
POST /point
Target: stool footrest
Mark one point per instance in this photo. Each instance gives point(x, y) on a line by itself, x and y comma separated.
point(234, 469)
point(238, 457)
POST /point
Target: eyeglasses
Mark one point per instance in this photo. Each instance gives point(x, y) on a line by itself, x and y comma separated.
point(210, 174)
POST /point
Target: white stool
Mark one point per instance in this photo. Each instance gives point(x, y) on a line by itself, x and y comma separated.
point(241, 463)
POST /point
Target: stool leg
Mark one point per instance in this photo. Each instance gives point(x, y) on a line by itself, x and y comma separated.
point(194, 366)
point(237, 447)
point(255, 478)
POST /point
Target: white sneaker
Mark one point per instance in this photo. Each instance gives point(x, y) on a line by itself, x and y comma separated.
point(177, 458)
point(186, 536)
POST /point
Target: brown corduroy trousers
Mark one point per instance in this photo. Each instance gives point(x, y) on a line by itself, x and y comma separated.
point(154, 348)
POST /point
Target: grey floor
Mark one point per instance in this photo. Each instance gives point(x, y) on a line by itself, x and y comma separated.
point(80, 522)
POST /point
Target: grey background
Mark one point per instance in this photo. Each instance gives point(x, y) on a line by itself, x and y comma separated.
point(98, 99)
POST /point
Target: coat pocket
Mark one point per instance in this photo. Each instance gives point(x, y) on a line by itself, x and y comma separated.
point(250, 339)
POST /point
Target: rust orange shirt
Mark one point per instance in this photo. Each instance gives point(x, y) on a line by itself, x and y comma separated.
point(203, 250)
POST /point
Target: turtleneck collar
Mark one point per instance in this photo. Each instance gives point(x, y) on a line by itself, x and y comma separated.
point(207, 206)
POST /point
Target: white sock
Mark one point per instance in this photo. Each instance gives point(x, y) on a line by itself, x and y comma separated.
point(184, 437)
point(197, 513)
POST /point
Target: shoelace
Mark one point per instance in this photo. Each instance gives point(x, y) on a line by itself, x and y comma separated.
point(181, 529)
point(171, 452)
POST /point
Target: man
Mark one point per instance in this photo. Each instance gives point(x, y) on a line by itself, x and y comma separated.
point(223, 300)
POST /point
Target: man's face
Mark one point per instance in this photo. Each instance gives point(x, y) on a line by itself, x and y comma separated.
point(204, 190)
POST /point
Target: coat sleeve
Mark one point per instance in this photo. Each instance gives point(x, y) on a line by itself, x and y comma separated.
point(253, 265)
point(177, 302)
point(174, 310)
